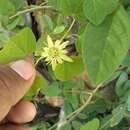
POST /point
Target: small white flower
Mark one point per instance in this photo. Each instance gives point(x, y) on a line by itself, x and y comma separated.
point(55, 53)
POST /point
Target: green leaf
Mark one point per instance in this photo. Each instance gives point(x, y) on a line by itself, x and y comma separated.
point(126, 2)
point(52, 90)
point(67, 108)
point(99, 106)
point(19, 4)
point(73, 99)
point(97, 10)
point(59, 29)
point(4, 20)
point(91, 125)
point(126, 87)
point(48, 24)
point(13, 23)
point(76, 125)
point(126, 61)
point(38, 84)
point(117, 115)
point(82, 116)
point(71, 8)
point(66, 127)
point(120, 83)
point(105, 46)
point(18, 47)
point(128, 11)
point(6, 7)
point(114, 76)
point(53, 3)
point(78, 44)
point(4, 37)
point(41, 43)
point(69, 84)
point(67, 70)
point(128, 103)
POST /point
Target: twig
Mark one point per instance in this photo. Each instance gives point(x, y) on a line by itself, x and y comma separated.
point(28, 10)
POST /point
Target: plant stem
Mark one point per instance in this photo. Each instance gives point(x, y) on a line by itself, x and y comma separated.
point(43, 3)
point(85, 105)
point(65, 35)
point(78, 91)
point(74, 114)
point(28, 10)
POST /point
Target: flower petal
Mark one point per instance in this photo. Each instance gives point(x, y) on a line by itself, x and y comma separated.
point(66, 58)
point(63, 45)
point(59, 60)
point(62, 52)
point(49, 41)
point(46, 49)
point(48, 59)
point(57, 43)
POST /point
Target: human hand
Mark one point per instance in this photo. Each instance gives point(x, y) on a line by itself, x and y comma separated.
point(15, 81)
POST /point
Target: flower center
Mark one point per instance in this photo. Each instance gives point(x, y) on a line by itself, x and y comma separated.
point(54, 52)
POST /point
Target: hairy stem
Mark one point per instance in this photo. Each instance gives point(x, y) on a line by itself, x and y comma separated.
point(28, 11)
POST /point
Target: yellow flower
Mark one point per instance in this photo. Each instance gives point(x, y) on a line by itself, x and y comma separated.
point(55, 53)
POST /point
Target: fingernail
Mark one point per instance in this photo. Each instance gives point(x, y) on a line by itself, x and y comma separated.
point(23, 68)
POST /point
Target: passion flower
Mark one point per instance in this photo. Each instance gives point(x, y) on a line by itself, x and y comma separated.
point(55, 53)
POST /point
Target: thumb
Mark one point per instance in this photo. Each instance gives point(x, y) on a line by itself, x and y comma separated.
point(15, 81)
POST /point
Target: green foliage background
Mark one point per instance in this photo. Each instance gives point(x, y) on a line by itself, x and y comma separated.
point(96, 85)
